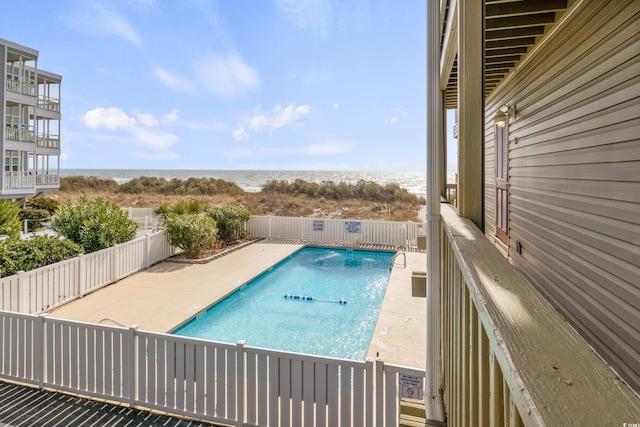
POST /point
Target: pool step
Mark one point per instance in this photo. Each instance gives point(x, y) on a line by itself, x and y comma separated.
point(412, 414)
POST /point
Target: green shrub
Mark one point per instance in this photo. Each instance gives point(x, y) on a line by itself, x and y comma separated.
point(34, 217)
point(362, 190)
point(231, 220)
point(94, 225)
point(176, 186)
point(84, 183)
point(181, 207)
point(17, 255)
point(193, 233)
point(50, 205)
point(9, 218)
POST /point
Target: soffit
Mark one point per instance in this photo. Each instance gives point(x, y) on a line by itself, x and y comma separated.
point(511, 29)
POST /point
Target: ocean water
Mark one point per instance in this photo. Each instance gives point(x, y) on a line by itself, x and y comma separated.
point(252, 180)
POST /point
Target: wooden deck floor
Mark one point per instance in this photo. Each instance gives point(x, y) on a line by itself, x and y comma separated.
point(31, 407)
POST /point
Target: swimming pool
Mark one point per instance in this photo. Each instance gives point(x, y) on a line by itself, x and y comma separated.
point(321, 301)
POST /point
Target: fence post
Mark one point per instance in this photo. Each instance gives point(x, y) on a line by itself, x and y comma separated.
point(146, 251)
point(23, 294)
point(82, 275)
point(379, 388)
point(133, 365)
point(241, 367)
point(369, 392)
point(40, 347)
point(115, 261)
point(269, 226)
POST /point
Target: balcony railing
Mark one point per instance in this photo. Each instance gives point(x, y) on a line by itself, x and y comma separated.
point(19, 181)
point(27, 88)
point(51, 104)
point(47, 179)
point(22, 135)
point(509, 358)
point(49, 141)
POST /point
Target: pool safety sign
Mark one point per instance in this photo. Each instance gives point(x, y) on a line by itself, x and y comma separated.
point(410, 386)
point(352, 226)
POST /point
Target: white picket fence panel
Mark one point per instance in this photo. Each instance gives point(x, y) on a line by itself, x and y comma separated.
point(50, 286)
point(392, 233)
point(218, 382)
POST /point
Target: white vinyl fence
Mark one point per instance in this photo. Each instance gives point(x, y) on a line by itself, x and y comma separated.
point(48, 287)
point(392, 233)
point(207, 380)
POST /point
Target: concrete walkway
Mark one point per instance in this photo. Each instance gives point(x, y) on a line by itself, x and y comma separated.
point(164, 296)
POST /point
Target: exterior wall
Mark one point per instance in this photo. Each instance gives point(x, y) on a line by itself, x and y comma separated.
point(574, 174)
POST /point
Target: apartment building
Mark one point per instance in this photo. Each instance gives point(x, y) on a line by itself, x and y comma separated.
point(30, 144)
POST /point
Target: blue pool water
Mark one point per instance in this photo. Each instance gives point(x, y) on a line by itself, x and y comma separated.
point(260, 314)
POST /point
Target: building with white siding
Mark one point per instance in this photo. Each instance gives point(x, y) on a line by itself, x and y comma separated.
point(30, 144)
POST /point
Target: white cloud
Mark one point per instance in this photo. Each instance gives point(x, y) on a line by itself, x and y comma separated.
point(226, 76)
point(64, 156)
point(101, 18)
point(336, 106)
point(394, 119)
point(146, 119)
point(240, 134)
point(143, 131)
point(171, 117)
point(109, 118)
point(279, 117)
point(172, 81)
point(311, 15)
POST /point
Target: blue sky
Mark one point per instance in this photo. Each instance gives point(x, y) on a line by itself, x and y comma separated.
point(235, 84)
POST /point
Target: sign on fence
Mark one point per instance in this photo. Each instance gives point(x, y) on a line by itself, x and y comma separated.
point(352, 226)
point(318, 225)
point(411, 386)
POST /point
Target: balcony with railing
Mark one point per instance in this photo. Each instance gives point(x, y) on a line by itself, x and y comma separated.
point(49, 141)
point(510, 359)
point(47, 179)
point(48, 103)
point(19, 181)
point(19, 134)
point(24, 88)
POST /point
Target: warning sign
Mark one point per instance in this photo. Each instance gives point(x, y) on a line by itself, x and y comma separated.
point(410, 386)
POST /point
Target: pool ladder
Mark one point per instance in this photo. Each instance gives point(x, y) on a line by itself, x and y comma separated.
point(395, 256)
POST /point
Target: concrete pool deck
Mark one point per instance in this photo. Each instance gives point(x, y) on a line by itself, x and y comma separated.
point(167, 294)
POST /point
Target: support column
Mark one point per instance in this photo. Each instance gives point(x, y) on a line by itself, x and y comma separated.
point(471, 111)
point(433, 399)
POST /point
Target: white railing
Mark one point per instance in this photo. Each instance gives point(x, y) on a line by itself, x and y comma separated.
point(336, 230)
point(206, 380)
point(51, 104)
point(48, 287)
point(48, 141)
point(19, 180)
point(27, 88)
point(47, 179)
point(16, 134)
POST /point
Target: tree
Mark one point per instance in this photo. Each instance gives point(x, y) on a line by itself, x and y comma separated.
point(193, 233)
point(9, 220)
point(94, 225)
